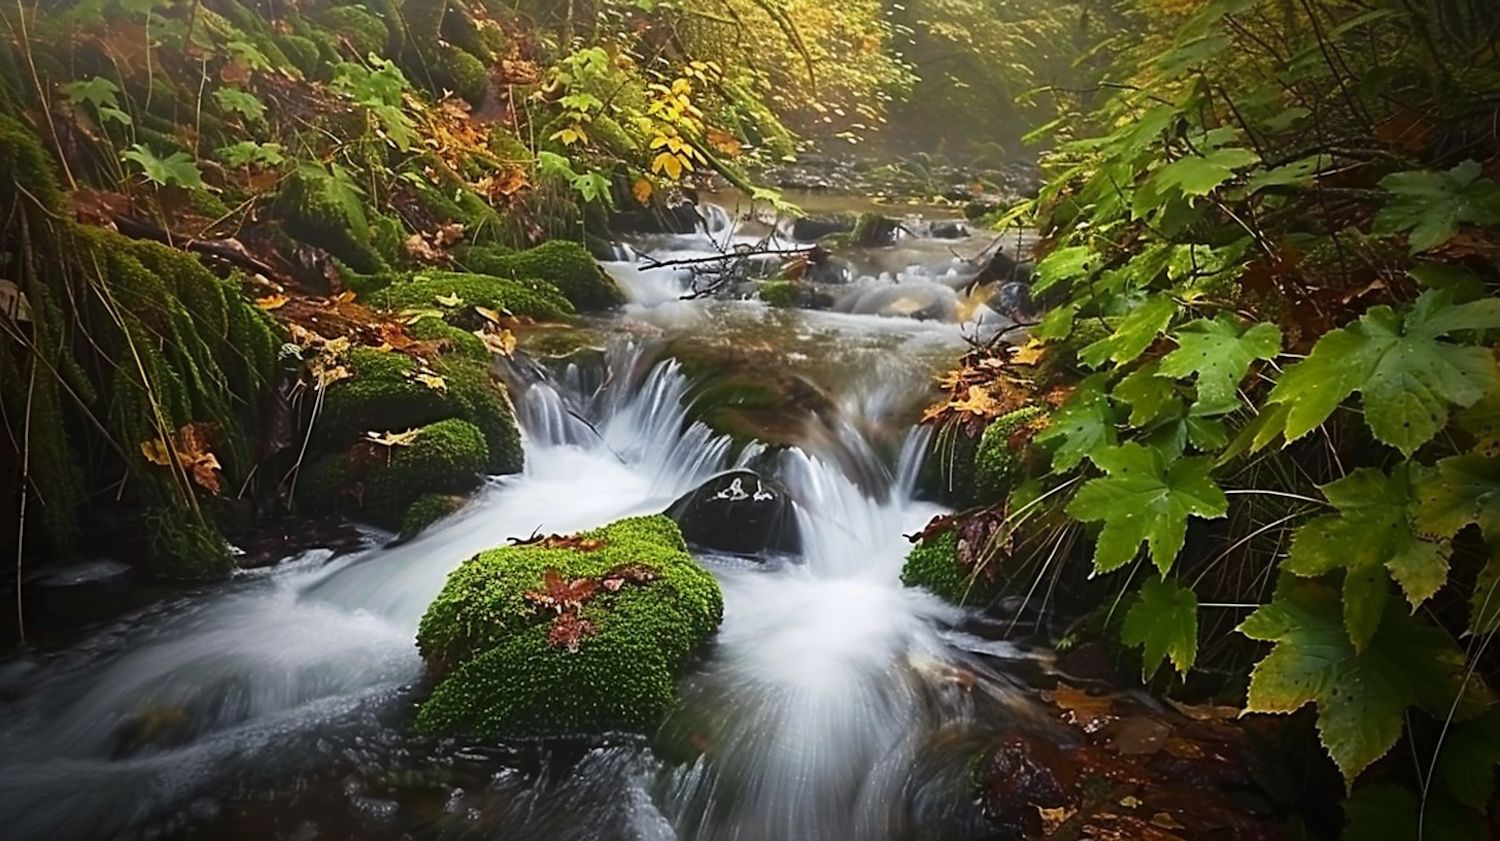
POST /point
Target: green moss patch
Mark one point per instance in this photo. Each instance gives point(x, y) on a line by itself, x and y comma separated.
point(934, 565)
point(566, 265)
point(502, 670)
point(384, 394)
point(997, 465)
point(527, 298)
point(425, 511)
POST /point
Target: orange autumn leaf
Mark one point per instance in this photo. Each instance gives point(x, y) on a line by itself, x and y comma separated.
point(271, 302)
point(642, 190)
point(189, 448)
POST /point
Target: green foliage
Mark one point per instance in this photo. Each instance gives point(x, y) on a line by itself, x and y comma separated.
point(1145, 499)
point(426, 510)
point(1405, 368)
point(175, 170)
point(488, 643)
point(1431, 205)
point(1164, 623)
point(1241, 241)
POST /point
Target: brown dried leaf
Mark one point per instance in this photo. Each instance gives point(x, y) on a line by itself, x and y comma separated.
point(1089, 713)
point(569, 630)
point(502, 343)
point(562, 594)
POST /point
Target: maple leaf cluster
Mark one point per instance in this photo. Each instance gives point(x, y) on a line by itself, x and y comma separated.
point(565, 597)
point(989, 382)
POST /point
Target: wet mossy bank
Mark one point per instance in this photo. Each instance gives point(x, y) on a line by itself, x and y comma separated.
point(159, 414)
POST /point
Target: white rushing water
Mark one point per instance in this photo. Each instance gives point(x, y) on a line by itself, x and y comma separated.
point(825, 677)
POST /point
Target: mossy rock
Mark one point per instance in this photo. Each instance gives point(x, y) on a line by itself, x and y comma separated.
point(446, 457)
point(566, 265)
point(312, 212)
point(933, 565)
point(498, 675)
point(527, 298)
point(458, 340)
point(366, 32)
point(997, 466)
point(384, 395)
point(786, 294)
point(425, 511)
point(466, 74)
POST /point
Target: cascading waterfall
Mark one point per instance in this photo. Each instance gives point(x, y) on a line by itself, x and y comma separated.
point(806, 716)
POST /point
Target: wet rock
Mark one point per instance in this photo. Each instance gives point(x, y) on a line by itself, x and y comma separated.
point(949, 230)
point(1013, 300)
point(677, 215)
point(812, 228)
point(740, 513)
point(78, 592)
point(1021, 773)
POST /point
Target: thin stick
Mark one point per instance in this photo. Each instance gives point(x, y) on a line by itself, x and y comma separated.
point(21, 523)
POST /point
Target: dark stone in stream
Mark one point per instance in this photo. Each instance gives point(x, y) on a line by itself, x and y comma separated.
point(811, 228)
point(949, 230)
point(1021, 773)
point(78, 592)
point(739, 513)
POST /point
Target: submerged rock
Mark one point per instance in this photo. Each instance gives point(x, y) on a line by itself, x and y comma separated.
point(78, 592)
point(567, 636)
point(740, 513)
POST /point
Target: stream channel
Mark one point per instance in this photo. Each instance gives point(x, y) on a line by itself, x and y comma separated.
point(834, 705)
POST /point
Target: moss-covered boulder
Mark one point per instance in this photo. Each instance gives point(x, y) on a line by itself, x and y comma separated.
point(1001, 458)
point(425, 511)
point(525, 297)
point(934, 565)
point(567, 636)
point(566, 265)
point(392, 392)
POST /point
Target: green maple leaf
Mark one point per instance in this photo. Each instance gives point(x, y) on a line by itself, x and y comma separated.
point(1083, 425)
point(98, 91)
point(1431, 205)
point(176, 169)
point(1371, 535)
point(1200, 175)
point(1068, 263)
point(234, 100)
point(1148, 395)
point(1136, 331)
point(1299, 173)
point(1406, 372)
point(1464, 490)
point(1361, 696)
point(1219, 354)
point(1143, 499)
point(1468, 757)
point(1164, 623)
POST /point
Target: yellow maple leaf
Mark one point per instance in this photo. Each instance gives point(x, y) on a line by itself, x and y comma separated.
point(450, 300)
point(271, 302)
point(492, 316)
point(432, 381)
point(978, 401)
point(393, 439)
point(502, 343)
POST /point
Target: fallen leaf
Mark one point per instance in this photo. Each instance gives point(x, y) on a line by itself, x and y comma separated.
point(432, 381)
point(449, 300)
point(568, 630)
point(1139, 735)
point(190, 447)
point(502, 343)
point(394, 439)
point(1087, 712)
point(493, 316)
point(418, 248)
point(271, 302)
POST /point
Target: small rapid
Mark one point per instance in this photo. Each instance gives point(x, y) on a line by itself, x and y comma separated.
point(825, 686)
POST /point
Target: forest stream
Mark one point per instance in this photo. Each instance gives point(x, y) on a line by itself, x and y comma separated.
point(834, 704)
